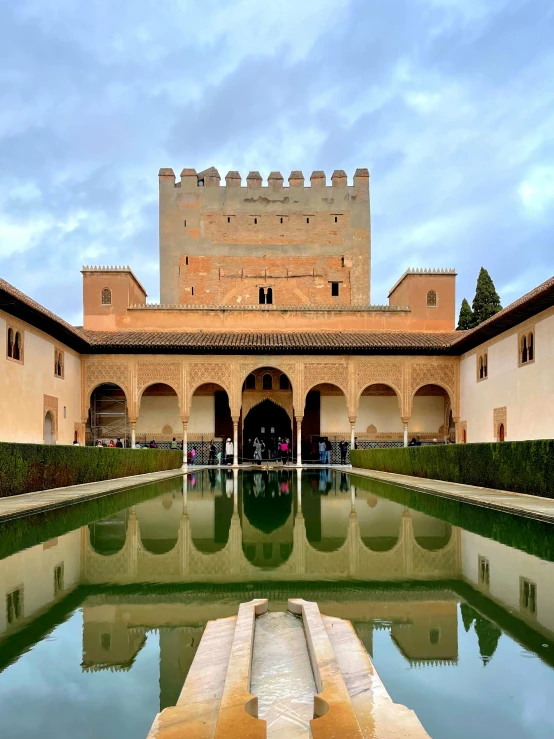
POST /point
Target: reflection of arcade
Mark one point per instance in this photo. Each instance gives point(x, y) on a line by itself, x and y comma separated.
point(199, 536)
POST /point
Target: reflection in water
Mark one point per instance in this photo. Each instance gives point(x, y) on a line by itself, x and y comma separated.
point(146, 580)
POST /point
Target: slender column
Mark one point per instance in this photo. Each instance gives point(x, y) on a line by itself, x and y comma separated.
point(133, 433)
point(83, 433)
point(235, 490)
point(185, 440)
point(298, 492)
point(352, 420)
point(185, 491)
point(235, 442)
point(299, 440)
point(456, 420)
point(405, 421)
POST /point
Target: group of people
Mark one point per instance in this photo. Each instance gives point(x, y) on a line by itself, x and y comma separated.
point(276, 448)
point(325, 448)
point(112, 444)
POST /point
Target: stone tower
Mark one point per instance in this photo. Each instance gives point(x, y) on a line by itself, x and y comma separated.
point(289, 246)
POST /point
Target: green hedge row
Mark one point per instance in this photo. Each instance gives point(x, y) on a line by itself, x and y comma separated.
point(25, 468)
point(519, 466)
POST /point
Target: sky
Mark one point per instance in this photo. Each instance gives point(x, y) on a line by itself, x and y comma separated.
point(449, 103)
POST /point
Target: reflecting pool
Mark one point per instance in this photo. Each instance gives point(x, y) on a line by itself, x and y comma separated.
point(103, 604)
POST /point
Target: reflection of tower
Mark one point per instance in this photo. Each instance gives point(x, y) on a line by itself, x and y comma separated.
point(177, 649)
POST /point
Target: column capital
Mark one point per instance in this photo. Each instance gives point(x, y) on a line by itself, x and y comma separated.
point(185, 419)
point(235, 420)
point(405, 420)
point(352, 420)
point(299, 419)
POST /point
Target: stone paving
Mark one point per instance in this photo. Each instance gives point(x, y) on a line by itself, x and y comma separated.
point(532, 506)
point(43, 500)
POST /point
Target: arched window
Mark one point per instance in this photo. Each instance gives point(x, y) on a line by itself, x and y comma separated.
point(485, 365)
point(267, 382)
point(431, 299)
point(464, 436)
point(58, 363)
point(284, 383)
point(481, 375)
point(530, 346)
point(269, 296)
point(10, 343)
point(106, 296)
point(17, 346)
point(524, 350)
point(501, 432)
point(250, 382)
point(261, 296)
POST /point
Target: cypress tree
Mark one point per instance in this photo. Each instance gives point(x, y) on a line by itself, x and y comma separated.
point(486, 301)
point(465, 320)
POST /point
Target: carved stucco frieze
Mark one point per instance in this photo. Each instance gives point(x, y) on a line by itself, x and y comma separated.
point(336, 374)
point(379, 373)
point(149, 373)
point(98, 373)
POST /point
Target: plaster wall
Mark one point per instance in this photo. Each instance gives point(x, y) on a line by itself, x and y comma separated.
point(413, 289)
point(427, 414)
point(334, 415)
point(157, 411)
point(526, 391)
point(506, 566)
point(381, 411)
point(25, 384)
point(202, 414)
point(33, 570)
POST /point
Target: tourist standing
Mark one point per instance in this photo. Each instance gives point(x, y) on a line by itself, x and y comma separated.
point(211, 455)
point(257, 450)
point(118, 444)
point(174, 443)
point(343, 451)
point(284, 450)
point(229, 451)
point(193, 455)
point(322, 450)
point(328, 450)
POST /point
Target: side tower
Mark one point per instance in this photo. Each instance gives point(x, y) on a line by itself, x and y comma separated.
point(235, 245)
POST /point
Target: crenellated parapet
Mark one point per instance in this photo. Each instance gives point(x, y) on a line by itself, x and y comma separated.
point(211, 178)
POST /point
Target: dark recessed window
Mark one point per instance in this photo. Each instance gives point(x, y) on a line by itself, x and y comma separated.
point(335, 289)
point(336, 219)
point(431, 299)
point(281, 220)
point(106, 296)
point(186, 260)
point(307, 220)
point(269, 296)
point(192, 291)
point(267, 382)
point(185, 223)
point(228, 219)
point(255, 221)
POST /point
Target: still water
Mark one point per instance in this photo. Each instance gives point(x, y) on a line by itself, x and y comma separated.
point(104, 603)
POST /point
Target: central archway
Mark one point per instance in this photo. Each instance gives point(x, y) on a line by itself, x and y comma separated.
point(267, 421)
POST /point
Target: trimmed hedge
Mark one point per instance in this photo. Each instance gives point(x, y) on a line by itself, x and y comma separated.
point(25, 468)
point(519, 466)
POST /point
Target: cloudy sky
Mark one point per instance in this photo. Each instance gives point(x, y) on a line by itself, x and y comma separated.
point(450, 103)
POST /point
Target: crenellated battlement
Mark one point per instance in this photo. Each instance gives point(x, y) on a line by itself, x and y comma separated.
point(210, 177)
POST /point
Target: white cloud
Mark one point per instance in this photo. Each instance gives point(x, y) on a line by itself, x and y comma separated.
point(536, 192)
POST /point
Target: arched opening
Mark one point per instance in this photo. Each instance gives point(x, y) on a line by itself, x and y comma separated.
point(380, 522)
point(485, 365)
point(429, 532)
point(268, 517)
point(49, 428)
point(268, 423)
point(379, 420)
point(261, 296)
point(210, 515)
point(481, 374)
point(250, 382)
point(209, 419)
point(269, 296)
point(159, 520)
point(108, 536)
point(530, 347)
point(17, 348)
point(501, 432)
point(108, 419)
point(464, 436)
point(10, 342)
point(325, 421)
point(159, 417)
point(429, 421)
point(267, 413)
point(524, 350)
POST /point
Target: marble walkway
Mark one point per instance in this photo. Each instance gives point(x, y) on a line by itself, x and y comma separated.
point(531, 506)
point(44, 500)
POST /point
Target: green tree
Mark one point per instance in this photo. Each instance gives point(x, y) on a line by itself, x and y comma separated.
point(486, 301)
point(465, 320)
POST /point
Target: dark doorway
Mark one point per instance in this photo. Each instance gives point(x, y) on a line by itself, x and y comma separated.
point(261, 419)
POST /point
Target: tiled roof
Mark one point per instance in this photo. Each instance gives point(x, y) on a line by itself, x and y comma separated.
point(530, 304)
point(377, 342)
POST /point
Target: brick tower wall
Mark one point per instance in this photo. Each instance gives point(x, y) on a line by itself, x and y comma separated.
point(220, 244)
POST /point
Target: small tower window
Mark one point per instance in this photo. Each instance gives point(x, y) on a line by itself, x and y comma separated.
point(530, 346)
point(185, 223)
point(336, 219)
point(527, 347)
point(17, 347)
point(58, 363)
point(307, 220)
point(281, 219)
point(265, 296)
point(335, 289)
point(269, 296)
point(10, 343)
point(261, 296)
point(255, 221)
point(431, 299)
point(186, 261)
point(267, 382)
point(228, 219)
point(192, 291)
point(106, 296)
